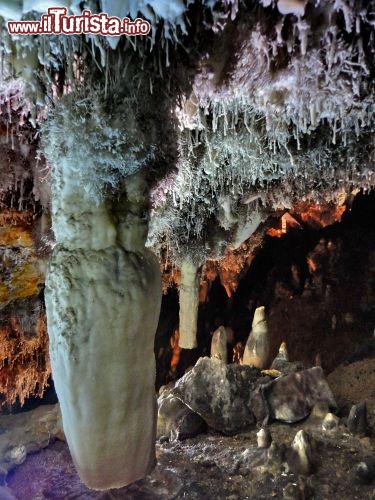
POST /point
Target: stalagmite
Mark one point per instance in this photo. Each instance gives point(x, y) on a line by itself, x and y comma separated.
point(258, 350)
point(103, 294)
point(264, 438)
point(301, 455)
point(219, 344)
point(189, 302)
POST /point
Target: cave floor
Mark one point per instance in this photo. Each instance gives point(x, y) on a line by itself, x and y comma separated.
point(213, 466)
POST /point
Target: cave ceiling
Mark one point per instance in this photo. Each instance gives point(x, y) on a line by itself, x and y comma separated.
point(234, 110)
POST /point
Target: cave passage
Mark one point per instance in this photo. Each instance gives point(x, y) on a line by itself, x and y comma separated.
point(317, 287)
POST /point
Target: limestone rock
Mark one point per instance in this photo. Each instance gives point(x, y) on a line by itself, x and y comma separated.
point(282, 363)
point(219, 344)
point(176, 420)
point(223, 395)
point(299, 491)
point(357, 419)
point(365, 470)
point(292, 397)
point(16, 454)
point(258, 350)
point(26, 433)
point(319, 410)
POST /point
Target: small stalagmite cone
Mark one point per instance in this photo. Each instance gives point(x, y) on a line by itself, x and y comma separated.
point(264, 438)
point(283, 352)
point(282, 358)
point(357, 419)
point(301, 455)
point(258, 349)
point(330, 422)
point(219, 344)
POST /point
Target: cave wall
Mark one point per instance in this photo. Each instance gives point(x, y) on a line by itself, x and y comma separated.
point(24, 247)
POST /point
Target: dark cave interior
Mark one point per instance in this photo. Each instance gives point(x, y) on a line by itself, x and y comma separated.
point(315, 284)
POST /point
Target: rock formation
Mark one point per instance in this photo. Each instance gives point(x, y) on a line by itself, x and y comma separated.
point(101, 339)
point(259, 349)
point(219, 344)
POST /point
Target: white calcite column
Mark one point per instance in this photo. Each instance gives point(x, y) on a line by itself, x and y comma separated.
point(103, 295)
point(189, 302)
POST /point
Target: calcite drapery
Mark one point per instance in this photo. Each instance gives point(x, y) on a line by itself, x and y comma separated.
point(103, 295)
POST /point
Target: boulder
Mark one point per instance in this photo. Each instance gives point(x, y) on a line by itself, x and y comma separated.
point(176, 420)
point(223, 395)
point(27, 432)
point(292, 397)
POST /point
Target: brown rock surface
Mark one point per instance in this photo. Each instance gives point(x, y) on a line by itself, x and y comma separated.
point(354, 382)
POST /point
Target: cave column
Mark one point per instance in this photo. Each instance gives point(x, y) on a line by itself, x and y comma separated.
point(189, 302)
point(103, 294)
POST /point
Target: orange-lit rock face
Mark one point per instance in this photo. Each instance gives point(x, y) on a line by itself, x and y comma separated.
point(24, 362)
point(21, 276)
point(232, 266)
point(313, 215)
point(25, 368)
point(287, 222)
point(176, 353)
point(319, 216)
